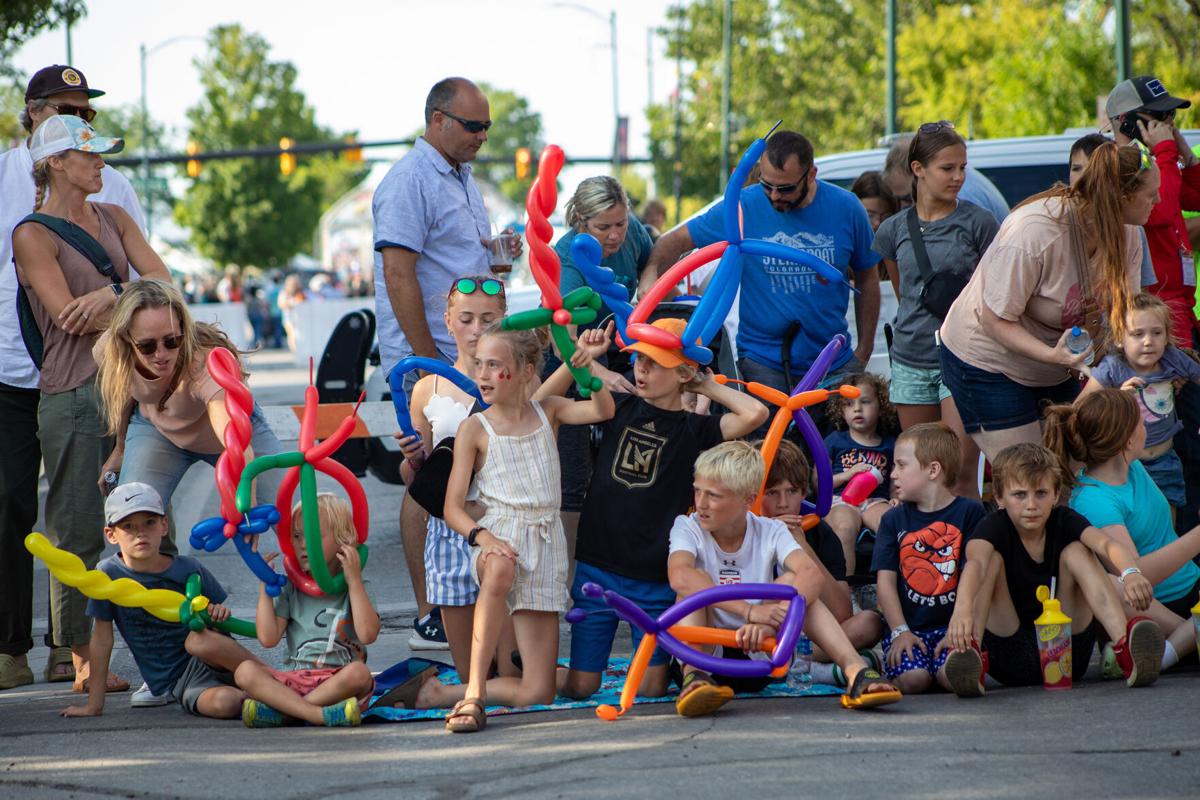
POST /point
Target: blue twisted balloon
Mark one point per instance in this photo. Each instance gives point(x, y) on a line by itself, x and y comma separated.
point(407, 365)
point(587, 255)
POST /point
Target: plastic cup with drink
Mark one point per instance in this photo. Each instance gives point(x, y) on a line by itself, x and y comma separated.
point(1054, 640)
point(501, 249)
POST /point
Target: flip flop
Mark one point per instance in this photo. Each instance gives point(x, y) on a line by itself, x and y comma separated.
point(475, 720)
point(857, 695)
point(705, 699)
point(114, 683)
point(58, 657)
point(405, 694)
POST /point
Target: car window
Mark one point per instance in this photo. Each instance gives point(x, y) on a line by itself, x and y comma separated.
point(1017, 183)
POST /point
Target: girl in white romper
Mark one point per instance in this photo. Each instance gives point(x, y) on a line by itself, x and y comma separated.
point(518, 549)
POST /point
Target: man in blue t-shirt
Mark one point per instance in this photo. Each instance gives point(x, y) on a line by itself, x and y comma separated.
point(788, 313)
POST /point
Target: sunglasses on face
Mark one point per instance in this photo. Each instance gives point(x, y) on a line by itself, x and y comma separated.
point(149, 347)
point(1161, 116)
point(489, 286)
point(783, 188)
point(86, 113)
point(469, 125)
point(934, 127)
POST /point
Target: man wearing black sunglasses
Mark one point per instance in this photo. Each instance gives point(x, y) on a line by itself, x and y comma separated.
point(57, 89)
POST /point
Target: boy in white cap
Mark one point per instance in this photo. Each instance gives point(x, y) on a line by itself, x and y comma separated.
point(196, 668)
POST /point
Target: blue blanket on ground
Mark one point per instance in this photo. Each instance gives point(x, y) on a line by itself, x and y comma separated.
point(609, 693)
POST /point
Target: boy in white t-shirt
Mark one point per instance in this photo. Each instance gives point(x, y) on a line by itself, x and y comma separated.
point(720, 543)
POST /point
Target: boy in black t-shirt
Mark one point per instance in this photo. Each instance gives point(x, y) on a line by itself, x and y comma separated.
point(1035, 542)
point(787, 486)
point(918, 558)
point(642, 481)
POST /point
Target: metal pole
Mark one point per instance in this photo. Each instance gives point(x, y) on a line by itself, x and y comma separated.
point(677, 171)
point(612, 23)
point(70, 56)
point(146, 148)
point(726, 86)
point(1121, 7)
point(890, 122)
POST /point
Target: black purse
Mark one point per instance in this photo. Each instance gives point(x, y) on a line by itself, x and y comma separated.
point(428, 485)
point(941, 289)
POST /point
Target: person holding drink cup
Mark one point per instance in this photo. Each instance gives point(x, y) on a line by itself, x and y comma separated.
point(1027, 543)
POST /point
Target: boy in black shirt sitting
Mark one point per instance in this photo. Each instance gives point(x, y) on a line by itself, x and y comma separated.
point(1025, 544)
point(641, 482)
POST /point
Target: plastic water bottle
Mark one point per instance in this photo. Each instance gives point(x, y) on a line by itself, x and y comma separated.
point(1080, 341)
point(800, 672)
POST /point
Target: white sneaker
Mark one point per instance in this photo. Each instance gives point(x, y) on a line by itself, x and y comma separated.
point(146, 698)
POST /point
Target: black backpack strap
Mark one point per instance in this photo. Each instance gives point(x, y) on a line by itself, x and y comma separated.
point(78, 238)
point(918, 245)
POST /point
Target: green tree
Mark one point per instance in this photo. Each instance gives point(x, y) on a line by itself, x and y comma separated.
point(21, 20)
point(244, 211)
point(1165, 34)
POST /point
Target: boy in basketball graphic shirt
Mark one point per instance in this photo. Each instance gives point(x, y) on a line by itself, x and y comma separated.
point(641, 482)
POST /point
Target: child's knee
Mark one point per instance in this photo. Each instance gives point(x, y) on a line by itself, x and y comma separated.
point(358, 675)
point(247, 672)
point(497, 574)
point(914, 681)
point(581, 685)
point(221, 702)
point(200, 643)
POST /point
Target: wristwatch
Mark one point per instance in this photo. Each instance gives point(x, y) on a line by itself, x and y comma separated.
point(118, 289)
point(474, 533)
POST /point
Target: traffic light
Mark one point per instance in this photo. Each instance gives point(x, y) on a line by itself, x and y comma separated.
point(193, 165)
point(523, 159)
point(352, 154)
point(287, 160)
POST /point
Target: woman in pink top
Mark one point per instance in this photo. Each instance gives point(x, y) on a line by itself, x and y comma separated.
point(159, 399)
point(1066, 257)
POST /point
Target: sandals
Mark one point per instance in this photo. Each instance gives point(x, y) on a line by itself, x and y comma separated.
point(58, 657)
point(857, 695)
point(404, 695)
point(113, 683)
point(13, 674)
point(467, 716)
point(706, 698)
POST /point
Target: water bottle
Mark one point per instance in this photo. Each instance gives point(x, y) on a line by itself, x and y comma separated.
point(110, 481)
point(1079, 342)
point(800, 672)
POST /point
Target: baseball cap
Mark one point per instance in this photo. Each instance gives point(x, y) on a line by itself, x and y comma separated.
point(65, 132)
point(1144, 91)
point(661, 355)
point(130, 498)
point(55, 79)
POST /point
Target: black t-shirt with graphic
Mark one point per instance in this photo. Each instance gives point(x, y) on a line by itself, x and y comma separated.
point(926, 551)
point(1022, 573)
point(642, 481)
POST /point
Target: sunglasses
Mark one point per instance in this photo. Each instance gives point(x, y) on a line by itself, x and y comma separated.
point(86, 113)
point(469, 125)
point(1144, 152)
point(149, 347)
point(1161, 116)
point(934, 127)
point(783, 188)
point(489, 286)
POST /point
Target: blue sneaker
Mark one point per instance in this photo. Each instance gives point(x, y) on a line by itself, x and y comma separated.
point(428, 633)
point(260, 715)
point(343, 715)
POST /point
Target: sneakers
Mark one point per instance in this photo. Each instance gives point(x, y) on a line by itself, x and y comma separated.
point(1140, 652)
point(1110, 670)
point(965, 670)
point(260, 715)
point(428, 633)
point(146, 698)
point(13, 674)
point(343, 715)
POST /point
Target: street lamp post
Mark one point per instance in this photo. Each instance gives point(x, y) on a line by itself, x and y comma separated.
point(144, 53)
point(611, 18)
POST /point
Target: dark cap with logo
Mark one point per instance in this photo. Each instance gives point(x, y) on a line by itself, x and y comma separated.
point(1143, 92)
point(55, 79)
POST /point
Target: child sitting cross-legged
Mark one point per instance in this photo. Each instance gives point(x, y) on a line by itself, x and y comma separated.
point(1028, 543)
point(722, 542)
point(194, 667)
point(918, 561)
point(327, 680)
point(787, 486)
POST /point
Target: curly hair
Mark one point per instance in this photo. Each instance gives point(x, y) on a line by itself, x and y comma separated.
point(889, 423)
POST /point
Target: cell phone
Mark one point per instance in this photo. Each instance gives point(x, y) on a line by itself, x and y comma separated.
point(1129, 127)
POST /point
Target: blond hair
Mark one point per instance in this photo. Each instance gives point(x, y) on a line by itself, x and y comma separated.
point(41, 182)
point(526, 346)
point(1025, 464)
point(934, 441)
point(335, 515)
point(1144, 301)
point(119, 360)
point(735, 465)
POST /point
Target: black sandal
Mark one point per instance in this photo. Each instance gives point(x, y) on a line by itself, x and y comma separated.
point(857, 695)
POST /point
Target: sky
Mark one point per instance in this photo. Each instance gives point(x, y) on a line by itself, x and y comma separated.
point(368, 65)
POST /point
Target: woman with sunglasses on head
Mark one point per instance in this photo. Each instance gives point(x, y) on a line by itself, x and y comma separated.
point(930, 251)
point(1068, 257)
point(66, 299)
point(159, 399)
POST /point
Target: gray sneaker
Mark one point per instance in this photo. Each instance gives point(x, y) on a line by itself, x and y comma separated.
point(146, 698)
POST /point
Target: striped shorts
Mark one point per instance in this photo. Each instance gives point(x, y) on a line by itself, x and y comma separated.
point(448, 579)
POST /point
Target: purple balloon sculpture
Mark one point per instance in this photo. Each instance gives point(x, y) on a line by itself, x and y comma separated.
point(808, 430)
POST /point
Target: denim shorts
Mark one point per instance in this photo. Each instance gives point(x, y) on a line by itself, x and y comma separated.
point(916, 386)
point(1167, 473)
point(592, 637)
point(990, 401)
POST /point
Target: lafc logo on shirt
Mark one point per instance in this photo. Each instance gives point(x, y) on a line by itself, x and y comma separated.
point(638, 456)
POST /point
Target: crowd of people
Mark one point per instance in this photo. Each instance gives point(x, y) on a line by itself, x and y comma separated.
point(1056, 339)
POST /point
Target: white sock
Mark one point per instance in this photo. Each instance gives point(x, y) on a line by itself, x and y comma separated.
point(822, 673)
point(1170, 657)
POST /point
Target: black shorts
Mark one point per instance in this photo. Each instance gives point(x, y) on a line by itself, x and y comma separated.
point(1014, 661)
point(1183, 606)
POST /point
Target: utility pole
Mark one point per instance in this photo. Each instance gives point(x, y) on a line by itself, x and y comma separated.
point(726, 87)
point(890, 122)
point(1121, 8)
point(677, 166)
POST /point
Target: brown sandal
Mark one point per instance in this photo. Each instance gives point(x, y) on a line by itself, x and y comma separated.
point(462, 720)
point(113, 683)
point(59, 656)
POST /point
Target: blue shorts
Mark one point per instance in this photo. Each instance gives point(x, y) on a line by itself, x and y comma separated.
point(916, 386)
point(448, 580)
point(1167, 473)
point(990, 401)
point(919, 660)
point(592, 637)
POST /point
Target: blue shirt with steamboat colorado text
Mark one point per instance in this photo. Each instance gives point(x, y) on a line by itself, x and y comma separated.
point(777, 294)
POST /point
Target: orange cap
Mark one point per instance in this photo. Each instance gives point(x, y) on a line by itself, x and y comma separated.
point(662, 356)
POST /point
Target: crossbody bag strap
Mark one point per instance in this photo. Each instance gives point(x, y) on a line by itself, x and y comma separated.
point(918, 245)
point(79, 239)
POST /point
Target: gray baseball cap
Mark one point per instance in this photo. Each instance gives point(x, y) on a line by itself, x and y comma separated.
point(1144, 91)
point(130, 498)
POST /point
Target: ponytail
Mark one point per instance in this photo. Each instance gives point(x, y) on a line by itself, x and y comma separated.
point(1092, 431)
point(41, 181)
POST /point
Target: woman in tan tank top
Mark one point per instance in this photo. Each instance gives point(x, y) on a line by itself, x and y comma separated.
point(71, 302)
